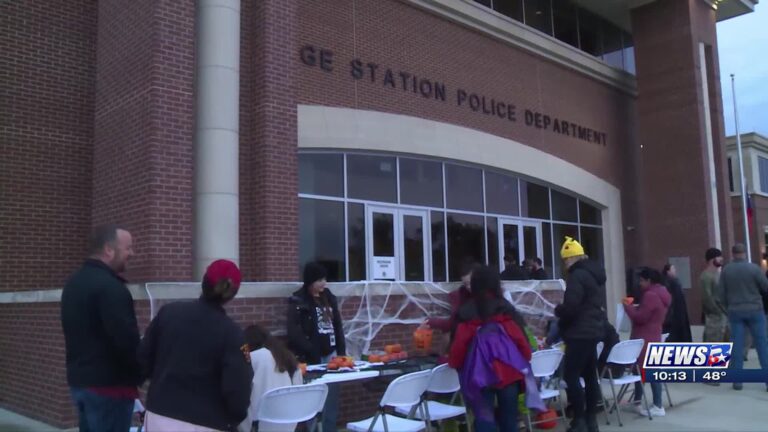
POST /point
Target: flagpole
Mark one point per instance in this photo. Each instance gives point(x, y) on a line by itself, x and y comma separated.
point(741, 172)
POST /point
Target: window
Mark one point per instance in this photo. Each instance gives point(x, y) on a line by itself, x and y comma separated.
point(464, 188)
point(589, 33)
point(321, 236)
point(565, 22)
point(372, 178)
point(564, 207)
point(546, 239)
point(492, 230)
point(612, 45)
point(501, 194)
point(559, 232)
point(589, 214)
point(730, 175)
point(592, 241)
point(577, 27)
point(510, 8)
point(629, 52)
point(321, 174)
point(763, 170)
point(534, 200)
point(421, 182)
point(466, 240)
point(463, 225)
point(356, 241)
point(538, 14)
point(438, 246)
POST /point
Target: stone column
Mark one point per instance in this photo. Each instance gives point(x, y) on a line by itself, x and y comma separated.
point(217, 225)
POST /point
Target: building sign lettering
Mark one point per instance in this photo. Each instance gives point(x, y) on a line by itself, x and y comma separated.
point(426, 88)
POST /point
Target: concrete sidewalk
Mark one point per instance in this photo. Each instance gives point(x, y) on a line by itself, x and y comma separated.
point(698, 408)
point(701, 408)
point(12, 422)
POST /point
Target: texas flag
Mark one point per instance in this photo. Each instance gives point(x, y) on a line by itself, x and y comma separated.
point(749, 211)
point(719, 355)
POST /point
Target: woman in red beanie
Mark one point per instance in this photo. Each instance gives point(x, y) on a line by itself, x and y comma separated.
point(197, 360)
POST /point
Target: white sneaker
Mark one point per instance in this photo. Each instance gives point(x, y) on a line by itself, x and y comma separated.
point(655, 411)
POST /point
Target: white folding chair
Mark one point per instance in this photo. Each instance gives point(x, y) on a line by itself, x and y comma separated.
point(405, 391)
point(544, 365)
point(291, 404)
point(625, 354)
point(444, 380)
point(138, 408)
point(664, 337)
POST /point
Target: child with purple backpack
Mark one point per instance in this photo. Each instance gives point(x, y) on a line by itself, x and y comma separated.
point(490, 350)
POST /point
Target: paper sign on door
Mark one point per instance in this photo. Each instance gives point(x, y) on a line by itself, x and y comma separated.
point(384, 268)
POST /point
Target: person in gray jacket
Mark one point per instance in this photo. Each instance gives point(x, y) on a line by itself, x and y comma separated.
point(741, 286)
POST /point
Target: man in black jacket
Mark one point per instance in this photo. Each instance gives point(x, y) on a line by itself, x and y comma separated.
point(101, 335)
point(537, 270)
point(582, 324)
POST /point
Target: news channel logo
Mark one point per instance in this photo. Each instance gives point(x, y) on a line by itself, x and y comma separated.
point(670, 355)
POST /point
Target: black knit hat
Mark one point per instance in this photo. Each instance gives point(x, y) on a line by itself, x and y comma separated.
point(712, 253)
point(313, 272)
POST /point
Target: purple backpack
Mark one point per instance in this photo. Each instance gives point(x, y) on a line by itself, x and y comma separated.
point(493, 343)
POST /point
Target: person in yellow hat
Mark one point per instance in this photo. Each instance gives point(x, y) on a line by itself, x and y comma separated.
point(582, 319)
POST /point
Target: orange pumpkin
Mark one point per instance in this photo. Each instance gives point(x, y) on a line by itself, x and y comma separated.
point(548, 419)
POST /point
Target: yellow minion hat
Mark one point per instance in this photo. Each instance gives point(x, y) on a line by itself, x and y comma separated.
point(571, 248)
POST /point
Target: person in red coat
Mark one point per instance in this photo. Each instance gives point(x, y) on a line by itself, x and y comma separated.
point(456, 299)
point(647, 321)
point(487, 305)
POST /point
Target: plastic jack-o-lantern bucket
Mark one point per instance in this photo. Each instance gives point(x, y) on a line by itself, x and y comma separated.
point(422, 338)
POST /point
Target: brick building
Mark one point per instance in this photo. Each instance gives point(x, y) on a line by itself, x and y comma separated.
point(386, 139)
point(755, 157)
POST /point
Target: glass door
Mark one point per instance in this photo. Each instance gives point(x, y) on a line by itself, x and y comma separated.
point(398, 244)
point(519, 239)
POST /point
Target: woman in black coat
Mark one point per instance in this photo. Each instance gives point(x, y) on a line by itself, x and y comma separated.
point(315, 331)
point(676, 324)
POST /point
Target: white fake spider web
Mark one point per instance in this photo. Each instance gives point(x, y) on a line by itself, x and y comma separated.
point(368, 307)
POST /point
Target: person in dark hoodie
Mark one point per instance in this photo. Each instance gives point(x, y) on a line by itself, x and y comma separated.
point(197, 360)
point(316, 332)
point(676, 322)
point(512, 271)
point(582, 317)
point(647, 320)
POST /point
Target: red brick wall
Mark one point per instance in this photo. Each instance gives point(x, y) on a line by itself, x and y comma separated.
point(268, 165)
point(142, 163)
point(433, 47)
point(47, 71)
point(32, 375)
point(672, 130)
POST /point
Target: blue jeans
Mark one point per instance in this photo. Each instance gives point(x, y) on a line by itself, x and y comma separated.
point(755, 320)
point(101, 413)
point(331, 407)
point(655, 390)
point(505, 400)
